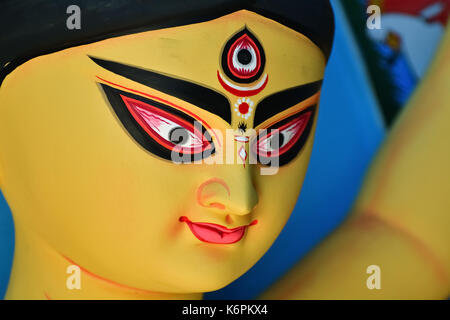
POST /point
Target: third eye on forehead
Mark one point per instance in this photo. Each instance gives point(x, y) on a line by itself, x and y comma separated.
point(244, 56)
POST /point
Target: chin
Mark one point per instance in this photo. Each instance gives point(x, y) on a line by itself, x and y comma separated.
point(199, 282)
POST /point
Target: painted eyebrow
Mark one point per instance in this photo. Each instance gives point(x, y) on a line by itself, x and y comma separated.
point(202, 97)
point(283, 100)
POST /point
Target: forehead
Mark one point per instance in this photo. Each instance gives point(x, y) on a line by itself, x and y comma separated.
point(194, 52)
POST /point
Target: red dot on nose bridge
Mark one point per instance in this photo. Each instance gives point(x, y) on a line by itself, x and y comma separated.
point(243, 107)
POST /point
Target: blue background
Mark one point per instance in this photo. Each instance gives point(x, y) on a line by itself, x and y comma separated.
point(349, 132)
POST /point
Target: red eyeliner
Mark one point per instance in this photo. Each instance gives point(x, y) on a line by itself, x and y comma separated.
point(134, 107)
point(301, 121)
point(166, 102)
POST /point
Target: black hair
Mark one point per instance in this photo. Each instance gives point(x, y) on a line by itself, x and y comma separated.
point(30, 28)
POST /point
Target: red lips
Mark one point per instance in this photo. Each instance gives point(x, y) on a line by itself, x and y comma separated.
point(215, 233)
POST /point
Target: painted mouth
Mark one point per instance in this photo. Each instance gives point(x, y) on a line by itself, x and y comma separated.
point(216, 233)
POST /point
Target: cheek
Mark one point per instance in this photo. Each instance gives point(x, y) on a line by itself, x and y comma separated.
point(278, 196)
point(132, 202)
point(278, 193)
point(77, 177)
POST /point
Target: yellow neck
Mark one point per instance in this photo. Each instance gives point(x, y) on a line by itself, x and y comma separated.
point(39, 272)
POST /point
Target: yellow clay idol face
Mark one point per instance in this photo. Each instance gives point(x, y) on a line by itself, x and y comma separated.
point(87, 137)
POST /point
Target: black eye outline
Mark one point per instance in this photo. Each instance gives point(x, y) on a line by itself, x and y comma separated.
point(144, 138)
point(289, 154)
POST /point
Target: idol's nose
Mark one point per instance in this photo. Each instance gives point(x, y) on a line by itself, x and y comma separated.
point(232, 192)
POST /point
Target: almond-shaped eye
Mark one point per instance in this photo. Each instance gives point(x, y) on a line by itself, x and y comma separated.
point(284, 139)
point(167, 129)
point(163, 130)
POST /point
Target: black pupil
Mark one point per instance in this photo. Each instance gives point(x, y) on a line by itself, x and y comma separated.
point(178, 135)
point(276, 141)
point(244, 56)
